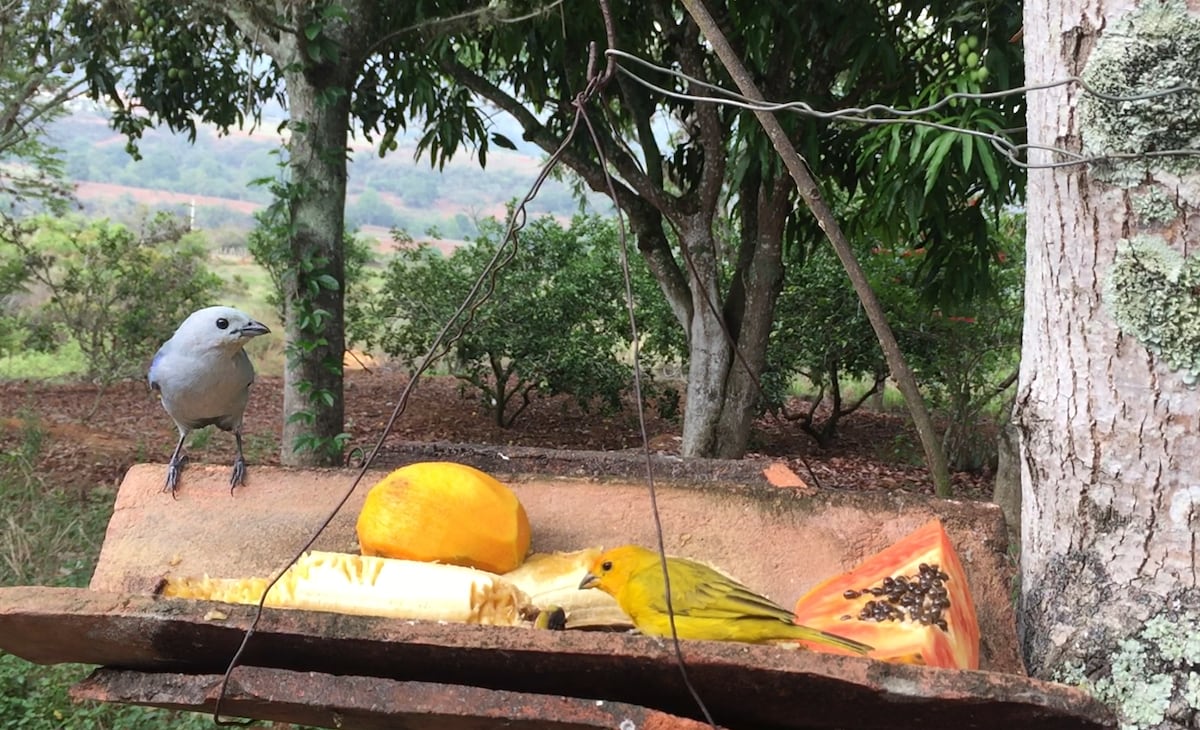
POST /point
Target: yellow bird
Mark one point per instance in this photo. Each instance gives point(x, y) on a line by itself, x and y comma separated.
point(706, 604)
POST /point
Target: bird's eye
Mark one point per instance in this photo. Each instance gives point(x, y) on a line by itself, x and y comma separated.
point(222, 324)
point(606, 565)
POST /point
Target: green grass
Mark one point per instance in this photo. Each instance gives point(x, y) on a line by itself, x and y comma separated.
point(247, 286)
point(260, 447)
point(852, 390)
point(51, 535)
point(66, 362)
point(200, 439)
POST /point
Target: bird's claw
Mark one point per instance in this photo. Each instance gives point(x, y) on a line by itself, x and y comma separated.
point(238, 477)
point(174, 469)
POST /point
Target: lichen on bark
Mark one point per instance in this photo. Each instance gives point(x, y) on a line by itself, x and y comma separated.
point(1153, 294)
point(1152, 680)
point(1153, 48)
point(1154, 207)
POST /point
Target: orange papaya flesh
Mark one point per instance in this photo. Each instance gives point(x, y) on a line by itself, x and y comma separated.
point(910, 601)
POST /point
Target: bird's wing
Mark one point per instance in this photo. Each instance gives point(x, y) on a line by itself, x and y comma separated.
point(727, 599)
point(730, 599)
point(700, 592)
point(155, 364)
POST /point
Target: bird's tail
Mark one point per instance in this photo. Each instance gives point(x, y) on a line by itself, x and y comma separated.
point(817, 636)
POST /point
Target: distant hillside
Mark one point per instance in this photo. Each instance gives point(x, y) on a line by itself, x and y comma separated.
point(213, 179)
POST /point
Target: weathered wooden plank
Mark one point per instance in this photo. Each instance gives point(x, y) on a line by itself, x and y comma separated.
point(368, 703)
point(743, 685)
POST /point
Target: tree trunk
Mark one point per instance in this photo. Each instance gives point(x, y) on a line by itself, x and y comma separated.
point(807, 186)
point(1006, 490)
point(1108, 424)
point(751, 313)
point(709, 352)
point(313, 402)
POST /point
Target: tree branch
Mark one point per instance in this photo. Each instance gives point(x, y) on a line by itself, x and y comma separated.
point(537, 133)
point(935, 457)
point(708, 123)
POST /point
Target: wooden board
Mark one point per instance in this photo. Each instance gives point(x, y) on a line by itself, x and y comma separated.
point(742, 685)
point(368, 703)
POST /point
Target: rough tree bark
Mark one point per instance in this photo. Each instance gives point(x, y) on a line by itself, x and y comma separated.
point(1109, 438)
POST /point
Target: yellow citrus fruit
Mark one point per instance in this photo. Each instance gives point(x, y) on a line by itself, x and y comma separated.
point(439, 511)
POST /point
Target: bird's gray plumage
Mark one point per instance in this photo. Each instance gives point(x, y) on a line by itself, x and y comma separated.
point(203, 376)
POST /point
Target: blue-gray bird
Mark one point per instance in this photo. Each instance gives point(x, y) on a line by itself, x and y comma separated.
point(203, 377)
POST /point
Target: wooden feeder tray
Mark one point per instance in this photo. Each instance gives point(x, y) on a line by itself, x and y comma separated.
point(334, 670)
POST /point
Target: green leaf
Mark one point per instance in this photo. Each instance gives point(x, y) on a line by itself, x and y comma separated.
point(335, 11)
point(967, 143)
point(914, 149)
point(313, 29)
point(989, 164)
point(939, 148)
point(894, 149)
point(914, 205)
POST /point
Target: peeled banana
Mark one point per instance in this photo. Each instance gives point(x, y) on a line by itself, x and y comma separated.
point(543, 592)
point(372, 586)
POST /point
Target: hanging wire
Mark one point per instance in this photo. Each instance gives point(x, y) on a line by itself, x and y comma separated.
point(627, 281)
point(896, 115)
point(459, 322)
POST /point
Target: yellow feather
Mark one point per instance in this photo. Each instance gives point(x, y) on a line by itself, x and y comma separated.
point(706, 603)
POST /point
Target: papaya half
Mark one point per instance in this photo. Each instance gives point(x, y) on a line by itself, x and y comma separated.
point(443, 512)
point(910, 601)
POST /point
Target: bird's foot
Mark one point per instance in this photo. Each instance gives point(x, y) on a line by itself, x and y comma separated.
point(174, 469)
point(238, 477)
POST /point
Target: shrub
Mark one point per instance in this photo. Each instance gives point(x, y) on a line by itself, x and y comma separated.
point(965, 356)
point(118, 294)
point(821, 333)
point(554, 323)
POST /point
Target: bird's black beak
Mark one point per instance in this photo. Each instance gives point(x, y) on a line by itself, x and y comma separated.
point(589, 581)
point(254, 329)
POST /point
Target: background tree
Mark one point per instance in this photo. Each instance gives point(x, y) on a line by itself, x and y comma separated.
point(544, 331)
point(380, 65)
point(722, 290)
point(822, 335)
point(1106, 407)
point(39, 57)
point(117, 293)
point(966, 355)
point(220, 62)
point(37, 78)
